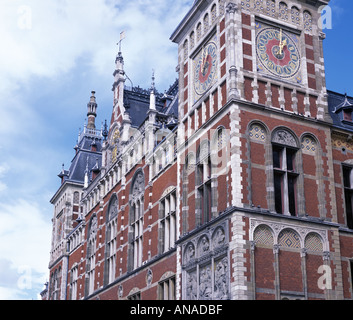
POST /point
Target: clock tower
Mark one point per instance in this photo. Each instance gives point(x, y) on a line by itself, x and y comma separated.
point(253, 147)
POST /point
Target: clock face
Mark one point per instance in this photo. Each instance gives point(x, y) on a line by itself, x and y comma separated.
point(277, 53)
point(205, 66)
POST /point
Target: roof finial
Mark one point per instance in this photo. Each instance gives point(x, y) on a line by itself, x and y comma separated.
point(152, 95)
point(105, 131)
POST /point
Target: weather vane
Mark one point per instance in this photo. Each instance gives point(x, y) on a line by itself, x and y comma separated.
point(122, 37)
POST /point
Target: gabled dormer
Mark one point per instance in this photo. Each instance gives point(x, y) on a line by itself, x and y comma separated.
point(341, 109)
point(344, 110)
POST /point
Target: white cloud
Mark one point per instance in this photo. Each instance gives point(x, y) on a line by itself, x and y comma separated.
point(42, 43)
point(24, 247)
point(46, 38)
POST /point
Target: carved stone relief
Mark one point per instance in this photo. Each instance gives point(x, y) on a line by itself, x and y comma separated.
point(138, 186)
point(285, 138)
point(93, 229)
point(205, 264)
point(113, 208)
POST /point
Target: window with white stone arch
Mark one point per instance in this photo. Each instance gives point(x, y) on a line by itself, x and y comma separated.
point(285, 172)
point(111, 240)
point(136, 200)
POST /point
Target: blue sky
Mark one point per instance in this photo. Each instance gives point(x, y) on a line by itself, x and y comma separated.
point(53, 54)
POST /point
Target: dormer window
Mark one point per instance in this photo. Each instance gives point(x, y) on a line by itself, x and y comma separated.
point(344, 110)
point(347, 114)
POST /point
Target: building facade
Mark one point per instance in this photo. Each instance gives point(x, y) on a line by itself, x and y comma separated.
point(233, 184)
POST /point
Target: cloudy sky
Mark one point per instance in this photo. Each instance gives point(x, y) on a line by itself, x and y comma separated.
point(53, 53)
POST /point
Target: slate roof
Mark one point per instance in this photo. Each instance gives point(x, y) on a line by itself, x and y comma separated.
point(84, 158)
point(337, 102)
point(137, 103)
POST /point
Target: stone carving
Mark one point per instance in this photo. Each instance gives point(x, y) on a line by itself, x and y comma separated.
point(191, 286)
point(120, 291)
point(221, 280)
point(204, 245)
point(138, 186)
point(231, 7)
point(149, 277)
point(93, 229)
point(285, 138)
point(113, 208)
point(219, 238)
point(205, 270)
point(189, 252)
point(205, 287)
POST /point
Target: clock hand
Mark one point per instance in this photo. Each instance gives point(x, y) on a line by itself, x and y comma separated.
point(282, 45)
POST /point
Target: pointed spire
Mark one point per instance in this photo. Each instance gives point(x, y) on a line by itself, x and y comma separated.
point(91, 111)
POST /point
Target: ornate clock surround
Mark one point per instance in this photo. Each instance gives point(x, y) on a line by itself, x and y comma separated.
point(285, 67)
point(205, 62)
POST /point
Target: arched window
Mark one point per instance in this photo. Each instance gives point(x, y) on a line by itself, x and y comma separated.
point(76, 198)
point(203, 182)
point(295, 15)
point(186, 49)
point(91, 255)
point(347, 172)
point(111, 241)
point(136, 220)
point(206, 23)
point(167, 215)
point(199, 31)
point(192, 40)
point(285, 171)
point(308, 21)
point(188, 170)
point(213, 13)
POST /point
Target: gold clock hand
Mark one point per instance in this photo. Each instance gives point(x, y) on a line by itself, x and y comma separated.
point(280, 42)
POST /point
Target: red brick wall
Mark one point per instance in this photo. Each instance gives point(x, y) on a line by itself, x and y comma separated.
point(290, 271)
point(264, 272)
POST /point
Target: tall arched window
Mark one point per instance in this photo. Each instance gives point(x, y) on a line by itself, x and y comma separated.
point(111, 235)
point(91, 255)
point(285, 172)
point(136, 220)
point(167, 215)
point(203, 182)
